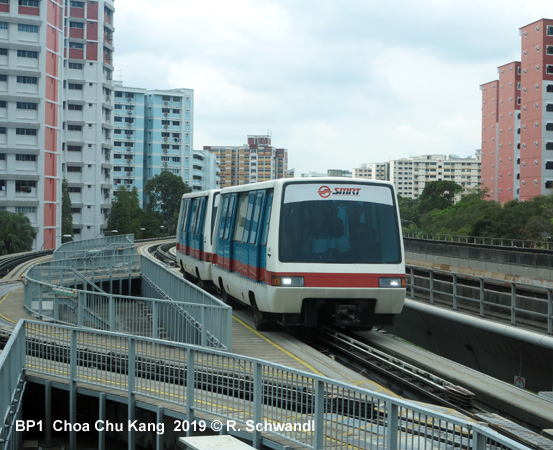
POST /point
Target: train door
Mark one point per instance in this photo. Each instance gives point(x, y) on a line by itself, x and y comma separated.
point(264, 234)
point(183, 220)
point(225, 226)
point(239, 247)
point(196, 228)
point(251, 234)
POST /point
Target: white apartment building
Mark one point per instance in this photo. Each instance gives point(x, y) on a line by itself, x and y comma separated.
point(463, 171)
point(55, 112)
point(411, 175)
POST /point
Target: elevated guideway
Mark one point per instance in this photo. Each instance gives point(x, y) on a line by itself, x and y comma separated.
point(155, 381)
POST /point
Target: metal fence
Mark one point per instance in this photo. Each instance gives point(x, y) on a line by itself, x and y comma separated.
point(263, 400)
point(12, 388)
point(96, 292)
point(88, 247)
point(486, 297)
point(500, 242)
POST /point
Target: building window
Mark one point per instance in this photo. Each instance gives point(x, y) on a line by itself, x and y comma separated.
point(4, 25)
point(76, 4)
point(26, 105)
point(27, 80)
point(72, 107)
point(550, 30)
point(3, 103)
point(79, 25)
point(25, 132)
point(25, 209)
point(549, 69)
point(74, 169)
point(74, 148)
point(75, 86)
point(549, 127)
point(27, 54)
point(77, 66)
point(33, 3)
point(549, 88)
point(74, 127)
point(77, 45)
point(27, 28)
point(25, 157)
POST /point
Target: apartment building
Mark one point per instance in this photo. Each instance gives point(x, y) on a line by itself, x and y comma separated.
point(411, 175)
point(55, 112)
point(253, 162)
point(153, 133)
point(401, 174)
point(517, 120)
point(427, 168)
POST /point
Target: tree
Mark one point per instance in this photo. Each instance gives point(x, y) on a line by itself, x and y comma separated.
point(164, 192)
point(16, 233)
point(66, 213)
point(127, 217)
point(438, 195)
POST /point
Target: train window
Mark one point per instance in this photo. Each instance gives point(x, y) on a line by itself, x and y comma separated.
point(185, 204)
point(338, 231)
point(224, 212)
point(255, 218)
point(247, 226)
point(230, 211)
point(200, 207)
point(193, 218)
point(216, 199)
point(240, 224)
point(266, 221)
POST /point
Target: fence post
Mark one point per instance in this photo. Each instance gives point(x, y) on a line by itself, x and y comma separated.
point(412, 276)
point(392, 426)
point(431, 285)
point(257, 401)
point(549, 311)
point(454, 275)
point(481, 297)
point(319, 414)
point(513, 303)
point(131, 387)
point(190, 381)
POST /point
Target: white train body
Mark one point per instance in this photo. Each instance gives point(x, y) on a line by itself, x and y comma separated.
point(311, 251)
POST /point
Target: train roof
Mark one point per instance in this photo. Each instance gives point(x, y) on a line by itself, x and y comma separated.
point(314, 180)
point(282, 181)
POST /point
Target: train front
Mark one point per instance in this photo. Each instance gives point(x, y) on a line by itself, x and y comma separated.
point(340, 255)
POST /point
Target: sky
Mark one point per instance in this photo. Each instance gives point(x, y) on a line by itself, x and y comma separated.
point(339, 83)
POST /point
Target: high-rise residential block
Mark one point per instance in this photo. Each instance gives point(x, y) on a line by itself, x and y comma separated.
point(517, 120)
point(55, 112)
point(250, 163)
point(153, 133)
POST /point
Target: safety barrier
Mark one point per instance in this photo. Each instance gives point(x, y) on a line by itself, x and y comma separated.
point(226, 392)
point(71, 292)
point(499, 242)
point(509, 299)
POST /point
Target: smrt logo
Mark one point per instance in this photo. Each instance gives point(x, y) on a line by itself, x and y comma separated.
point(324, 191)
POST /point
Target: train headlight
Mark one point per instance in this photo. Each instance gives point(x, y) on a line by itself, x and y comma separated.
point(287, 281)
point(391, 282)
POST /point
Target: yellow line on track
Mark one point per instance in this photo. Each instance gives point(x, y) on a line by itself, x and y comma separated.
point(274, 344)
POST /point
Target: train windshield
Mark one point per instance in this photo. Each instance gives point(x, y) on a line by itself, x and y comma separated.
point(339, 223)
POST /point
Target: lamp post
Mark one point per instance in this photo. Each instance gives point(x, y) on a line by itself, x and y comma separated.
point(53, 237)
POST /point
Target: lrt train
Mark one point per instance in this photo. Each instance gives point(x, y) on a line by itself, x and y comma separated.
point(300, 252)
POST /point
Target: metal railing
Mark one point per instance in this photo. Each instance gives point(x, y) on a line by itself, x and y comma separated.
point(488, 298)
point(72, 292)
point(12, 387)
point(499, 242)
point(263, 400)
point(87, 247)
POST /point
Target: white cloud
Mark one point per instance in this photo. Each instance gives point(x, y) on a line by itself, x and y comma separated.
point(338, 82)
